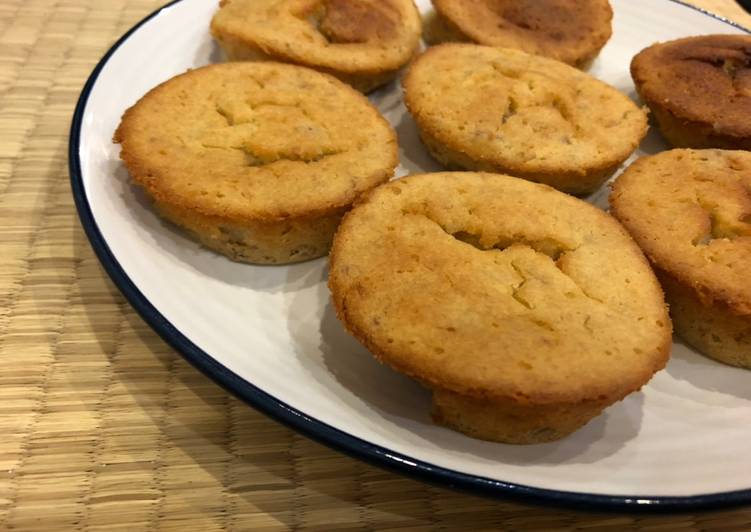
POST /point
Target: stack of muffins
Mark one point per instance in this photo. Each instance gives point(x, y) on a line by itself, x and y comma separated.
point(525, 310)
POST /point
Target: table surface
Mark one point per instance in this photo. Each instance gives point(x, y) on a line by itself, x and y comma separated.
point(102, 425)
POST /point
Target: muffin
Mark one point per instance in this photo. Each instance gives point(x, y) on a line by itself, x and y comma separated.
point(506, 111)
point(361, 42)
point(525, 311)
point(690, 211)
point(699, 90)
point(572, 31)
point(258, 160)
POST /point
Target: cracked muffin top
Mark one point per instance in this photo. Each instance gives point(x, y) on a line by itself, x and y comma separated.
point(528, 114)
point(705, 79)
point(256, 141)
point(343, 35)
point(690, 211)
point(572, 31)
point(495, 287)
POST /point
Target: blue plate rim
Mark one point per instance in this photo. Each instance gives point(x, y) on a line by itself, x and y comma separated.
point(318, 430)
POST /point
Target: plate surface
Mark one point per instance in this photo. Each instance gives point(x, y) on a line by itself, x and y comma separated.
point(270, 335)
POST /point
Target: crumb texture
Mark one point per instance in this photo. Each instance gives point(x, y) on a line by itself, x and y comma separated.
point(497, 288)
point(503, 110)
point(572, 31)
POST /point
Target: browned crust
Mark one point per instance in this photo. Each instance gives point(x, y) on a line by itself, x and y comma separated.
point(673, 268)
point(363, 81)
point(289, 56)
point(275, 242)
point(598, 397)
point(711, 327)
point(699, 89)
point(555, 28)
point(684, 133)
point(437, 29)
point(517, 399)
point(150, 178)
point(240, 46)
point(506, 422)
point(582, 182)
point(358, 21)
point(449, 152)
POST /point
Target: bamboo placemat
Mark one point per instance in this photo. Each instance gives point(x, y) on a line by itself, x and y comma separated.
point(102, 426)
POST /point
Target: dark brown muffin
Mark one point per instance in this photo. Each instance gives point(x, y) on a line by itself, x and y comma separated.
point(572, 31)
point(699, 90)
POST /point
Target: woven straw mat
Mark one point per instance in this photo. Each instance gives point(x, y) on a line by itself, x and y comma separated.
point(102, 426)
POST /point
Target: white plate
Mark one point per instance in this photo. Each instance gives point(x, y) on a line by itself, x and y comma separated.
point(269, 333)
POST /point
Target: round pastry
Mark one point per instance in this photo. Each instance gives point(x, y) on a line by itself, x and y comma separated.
point(699, 90)
point(503, 110)
point(525, 311)
point(258, 160)
point(572, 31)
point(361, 42)
point(690, 211)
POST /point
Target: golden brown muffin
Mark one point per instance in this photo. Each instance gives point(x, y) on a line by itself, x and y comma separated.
point(503, 110)
point(258, 160)
point(572, 31)
point(361, 42)
point(699, 90)
point(524, 310)
point(690, 211)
